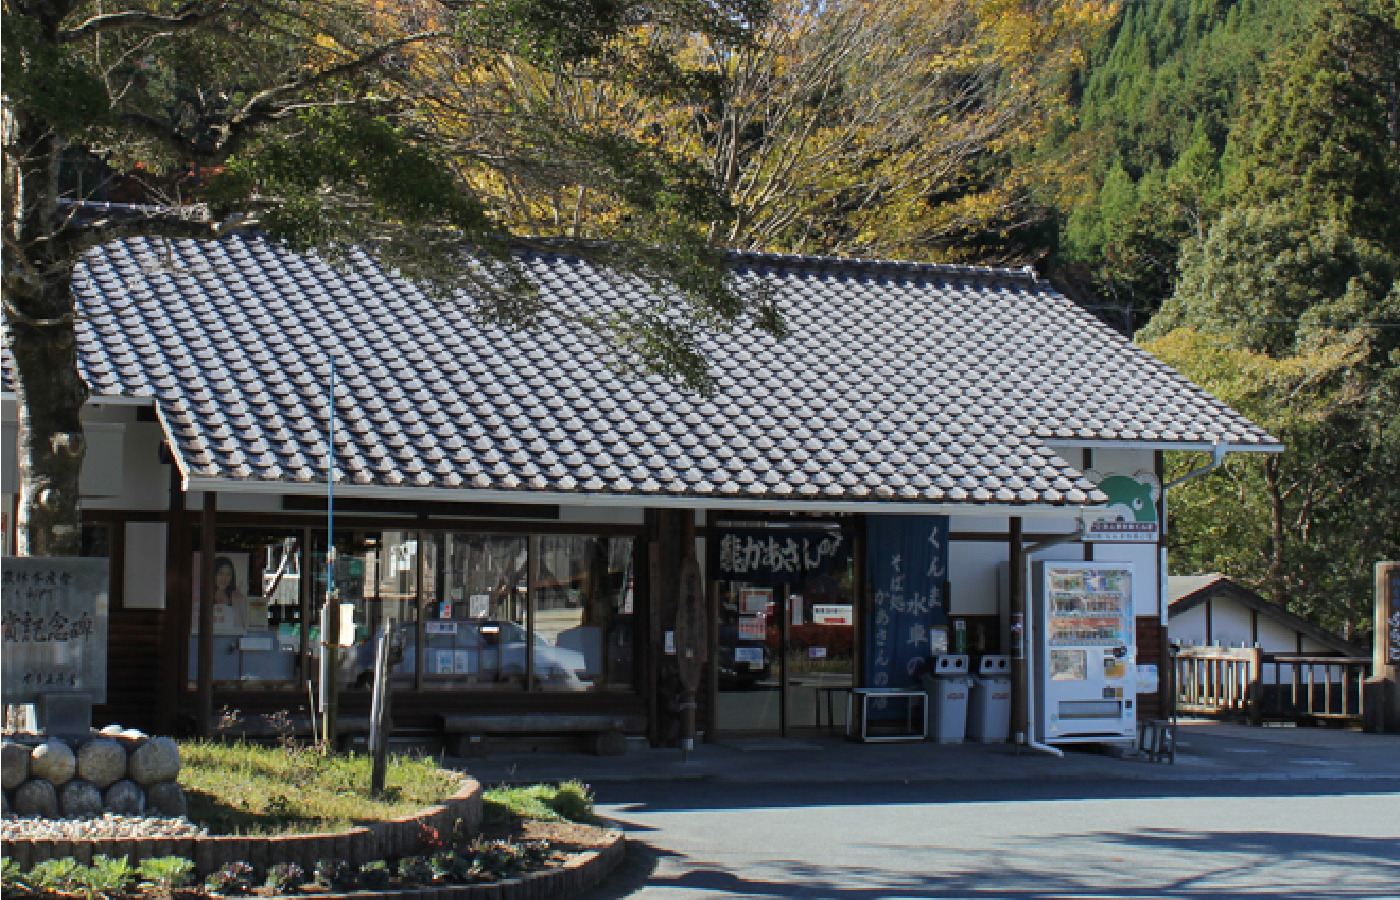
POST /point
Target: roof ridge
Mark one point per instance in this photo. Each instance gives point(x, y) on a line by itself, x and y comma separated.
point(1025, 273)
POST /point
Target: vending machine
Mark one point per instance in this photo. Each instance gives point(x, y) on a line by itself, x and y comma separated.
point(1085, 665)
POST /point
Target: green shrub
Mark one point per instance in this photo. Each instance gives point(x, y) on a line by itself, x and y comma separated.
point(285, 878)
point(166, 873)
point(374, 876)
point(107, 876)
point(58, 876)
point(232, 880)
point(334, 874)
point(13, 882)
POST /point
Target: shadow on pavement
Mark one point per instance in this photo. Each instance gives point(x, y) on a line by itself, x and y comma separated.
point(652, 797)
point(994, 874)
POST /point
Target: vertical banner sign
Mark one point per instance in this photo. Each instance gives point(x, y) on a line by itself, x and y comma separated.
point(906, 568)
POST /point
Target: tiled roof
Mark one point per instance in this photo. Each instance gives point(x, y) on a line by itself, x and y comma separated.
point(899, 382)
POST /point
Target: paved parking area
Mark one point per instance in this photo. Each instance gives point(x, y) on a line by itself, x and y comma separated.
point(1208, 751)
point(1028, 840)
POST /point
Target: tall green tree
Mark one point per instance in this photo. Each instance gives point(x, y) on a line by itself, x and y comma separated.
point(309, 120)
point(1294, 324)
point(1321, 131)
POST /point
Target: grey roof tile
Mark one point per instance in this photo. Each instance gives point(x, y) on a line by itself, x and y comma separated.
point(899, 382)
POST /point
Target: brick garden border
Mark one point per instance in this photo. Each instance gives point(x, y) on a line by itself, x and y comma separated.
point(380, 840)
point(579, 873)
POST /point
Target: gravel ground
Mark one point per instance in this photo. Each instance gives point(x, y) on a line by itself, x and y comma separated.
point(110, 825)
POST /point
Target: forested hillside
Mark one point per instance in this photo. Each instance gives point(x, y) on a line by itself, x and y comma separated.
point(1228, 192)
point(1154, 117)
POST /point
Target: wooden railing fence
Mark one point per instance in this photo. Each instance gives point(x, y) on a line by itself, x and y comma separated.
point(1275, 686)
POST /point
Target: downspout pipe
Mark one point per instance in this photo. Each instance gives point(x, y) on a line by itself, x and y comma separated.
point(1079, 532)
point(1217, 456)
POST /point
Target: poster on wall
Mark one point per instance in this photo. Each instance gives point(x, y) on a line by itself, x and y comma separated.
point(907, 569)
point(1131, 512)
point(231, 608)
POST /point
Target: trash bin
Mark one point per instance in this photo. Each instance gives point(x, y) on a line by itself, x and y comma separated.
point(948, 687)
point(989, 716)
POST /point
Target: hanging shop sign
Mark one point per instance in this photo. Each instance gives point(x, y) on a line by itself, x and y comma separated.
point(55, 627)
point(907, 569)
point(1132, 511)
point(779, 555)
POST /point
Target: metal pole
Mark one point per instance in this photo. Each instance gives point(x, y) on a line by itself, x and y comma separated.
point(379, 712)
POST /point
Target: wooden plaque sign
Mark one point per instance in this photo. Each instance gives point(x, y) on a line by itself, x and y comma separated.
point(690, 623)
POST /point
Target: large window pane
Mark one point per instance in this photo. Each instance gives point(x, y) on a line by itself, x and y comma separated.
point(475, 623)
point(257, 608)
point(376, 574)
point(583, 613)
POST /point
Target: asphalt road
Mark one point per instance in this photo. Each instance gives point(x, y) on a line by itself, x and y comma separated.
point(1025, 840)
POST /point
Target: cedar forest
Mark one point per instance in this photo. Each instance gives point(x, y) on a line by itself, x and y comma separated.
point(1216, 178)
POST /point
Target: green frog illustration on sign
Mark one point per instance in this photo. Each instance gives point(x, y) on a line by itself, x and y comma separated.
point(1131, 513)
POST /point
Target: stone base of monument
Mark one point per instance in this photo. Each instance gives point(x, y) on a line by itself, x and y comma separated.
point(112, 771)
point(64, 715)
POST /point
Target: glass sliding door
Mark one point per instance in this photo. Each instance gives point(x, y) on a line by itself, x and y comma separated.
point(749, 659)
point(819, 654)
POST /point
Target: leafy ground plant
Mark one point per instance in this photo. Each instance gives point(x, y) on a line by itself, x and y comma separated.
point(107, 876)
point(58, 876)
point(571, 801)
point(165, 874)
point(232, 880)
point(285, 878)
point(242, 788)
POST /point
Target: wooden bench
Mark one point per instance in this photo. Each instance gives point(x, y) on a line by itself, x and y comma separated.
point(258, 727)
point(468, 736)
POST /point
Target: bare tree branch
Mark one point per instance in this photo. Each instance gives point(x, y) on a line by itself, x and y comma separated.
point(190, 15)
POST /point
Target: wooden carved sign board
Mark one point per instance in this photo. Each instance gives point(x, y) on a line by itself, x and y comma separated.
point(690, 623)
point(1388, 611)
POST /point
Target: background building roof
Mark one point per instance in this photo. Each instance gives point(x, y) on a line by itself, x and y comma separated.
point(898, 383)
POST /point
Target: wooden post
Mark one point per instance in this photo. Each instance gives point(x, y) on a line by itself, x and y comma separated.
point(205, 725)
point(1016, 592)
point(1256, 687)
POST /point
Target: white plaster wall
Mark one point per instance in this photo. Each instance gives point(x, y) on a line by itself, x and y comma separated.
point(1189, 628)
point(145, 482)
point(1276, 637)
point(1230, 625)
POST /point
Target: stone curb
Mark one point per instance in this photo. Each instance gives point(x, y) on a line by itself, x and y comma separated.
point(396, 837)
point(581, 872)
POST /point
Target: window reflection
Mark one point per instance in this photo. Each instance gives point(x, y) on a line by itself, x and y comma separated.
point(257, 608)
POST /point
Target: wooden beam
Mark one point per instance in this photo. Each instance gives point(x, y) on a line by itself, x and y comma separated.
point(205, 711)
point(1016, 590)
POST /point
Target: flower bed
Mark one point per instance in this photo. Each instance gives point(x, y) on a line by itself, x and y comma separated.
point(466, 868)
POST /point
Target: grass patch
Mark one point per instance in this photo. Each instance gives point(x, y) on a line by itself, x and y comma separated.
point(241, 788)
point(571, 801)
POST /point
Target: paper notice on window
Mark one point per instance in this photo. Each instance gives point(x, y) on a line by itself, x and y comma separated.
point(751, 628)
point(480, 606)
point(751, 655)
point(755, 601)
point(796, 605)
point(832, 614)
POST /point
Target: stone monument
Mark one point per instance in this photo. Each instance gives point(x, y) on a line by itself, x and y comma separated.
point(55, 638)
